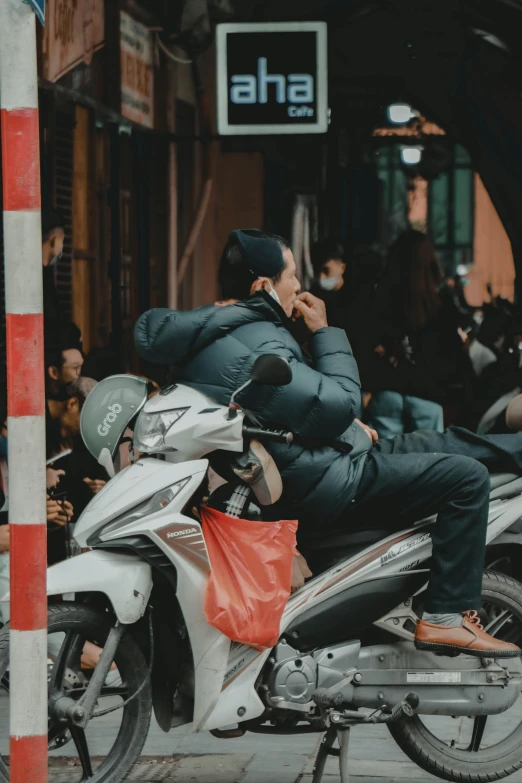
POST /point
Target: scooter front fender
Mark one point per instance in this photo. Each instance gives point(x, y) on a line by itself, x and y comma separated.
point(125, 580)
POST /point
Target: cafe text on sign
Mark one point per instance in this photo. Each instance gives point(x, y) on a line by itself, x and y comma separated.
point(272, 78)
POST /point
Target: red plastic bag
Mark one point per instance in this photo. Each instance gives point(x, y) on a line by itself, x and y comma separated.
point(250, 577)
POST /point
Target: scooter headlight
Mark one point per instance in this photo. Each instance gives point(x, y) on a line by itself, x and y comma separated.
point(151, 429)
point(157, 502)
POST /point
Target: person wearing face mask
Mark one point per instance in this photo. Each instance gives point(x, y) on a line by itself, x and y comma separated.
point(347, 292)
point(329, 266)
point(327, 258)
point(53, 237)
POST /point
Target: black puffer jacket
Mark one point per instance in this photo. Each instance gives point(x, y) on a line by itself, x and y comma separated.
point(213, 350)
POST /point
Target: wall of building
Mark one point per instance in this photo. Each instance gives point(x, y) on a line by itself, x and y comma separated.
point(236, 195)
point(237, 202)
point(492, 255)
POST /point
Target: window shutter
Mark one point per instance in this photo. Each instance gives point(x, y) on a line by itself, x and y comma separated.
point(63, 190)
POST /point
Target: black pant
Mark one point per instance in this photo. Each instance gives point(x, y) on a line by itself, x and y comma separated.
point(412, 476)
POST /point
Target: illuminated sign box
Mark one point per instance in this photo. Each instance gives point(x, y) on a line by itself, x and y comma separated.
point(272, 78)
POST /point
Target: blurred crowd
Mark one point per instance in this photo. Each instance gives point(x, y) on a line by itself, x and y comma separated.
point(427, 358)
point(73, 476)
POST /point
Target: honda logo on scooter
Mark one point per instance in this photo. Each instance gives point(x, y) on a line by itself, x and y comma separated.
point(185, 532)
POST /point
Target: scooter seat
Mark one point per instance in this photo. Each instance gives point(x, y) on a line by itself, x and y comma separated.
point(501, 479)
point(505, 485)
point(332, 549)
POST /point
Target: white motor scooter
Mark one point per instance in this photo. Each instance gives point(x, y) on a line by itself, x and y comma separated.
point(345, 654)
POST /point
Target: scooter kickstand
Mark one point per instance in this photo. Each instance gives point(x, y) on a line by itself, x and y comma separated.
point(325, 749)
point(344, 747)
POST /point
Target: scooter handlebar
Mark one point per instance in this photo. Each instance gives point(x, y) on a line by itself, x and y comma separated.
point(276, 436)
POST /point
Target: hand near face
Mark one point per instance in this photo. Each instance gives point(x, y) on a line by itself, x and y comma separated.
point(312, 310)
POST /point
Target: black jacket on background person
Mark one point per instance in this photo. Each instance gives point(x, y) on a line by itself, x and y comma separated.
point(347, 309)
point(429, 364)
point(53, 310)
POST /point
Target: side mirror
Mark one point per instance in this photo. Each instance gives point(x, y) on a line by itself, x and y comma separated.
point(271, 370)
point(268, 370)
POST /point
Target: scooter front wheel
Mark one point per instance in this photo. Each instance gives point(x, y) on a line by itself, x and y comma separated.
point(473, 750)
point(107, 748)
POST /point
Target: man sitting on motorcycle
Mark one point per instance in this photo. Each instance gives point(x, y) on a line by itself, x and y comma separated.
point(344, 476)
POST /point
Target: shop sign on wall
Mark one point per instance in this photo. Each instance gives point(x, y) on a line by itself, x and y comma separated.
point(75, 29)
point(272, 78)
point(137, 79)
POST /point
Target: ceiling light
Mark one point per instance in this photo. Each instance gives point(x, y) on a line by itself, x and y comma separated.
point(492, 39)
point(411, 156)
point(399, 113)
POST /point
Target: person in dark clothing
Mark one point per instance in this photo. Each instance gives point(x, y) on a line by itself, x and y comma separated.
point(53, 237)
point(329, 283)
point(341, 470)
point(63, 361)
point(348, 292)
point(498, 385)
point(100, 363)
point(328, 264)
point(497, 322)
point(82, 476)
point(414, 359)
point(453, 296)
point(63, 356)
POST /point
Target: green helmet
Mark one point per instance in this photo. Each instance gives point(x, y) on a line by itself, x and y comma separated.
point(109, 409)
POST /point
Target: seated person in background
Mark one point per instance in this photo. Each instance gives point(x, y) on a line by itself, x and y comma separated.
point(63, 356)
point(63, 366)
point(81, 476)
point(66, 413)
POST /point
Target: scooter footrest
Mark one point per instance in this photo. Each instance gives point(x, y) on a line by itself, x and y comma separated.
point(323, 697)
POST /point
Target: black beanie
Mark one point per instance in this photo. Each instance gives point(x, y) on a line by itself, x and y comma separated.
point(263, 256)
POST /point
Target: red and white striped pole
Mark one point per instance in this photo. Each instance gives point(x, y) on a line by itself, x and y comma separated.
point(25, 388)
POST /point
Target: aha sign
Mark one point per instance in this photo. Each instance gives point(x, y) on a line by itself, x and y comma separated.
point(272, 78)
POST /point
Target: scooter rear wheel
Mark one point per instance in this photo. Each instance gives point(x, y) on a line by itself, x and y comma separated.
point(473, 750)
point(110, 745)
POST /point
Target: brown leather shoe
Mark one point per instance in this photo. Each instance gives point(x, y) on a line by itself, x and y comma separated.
point(468, 638)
